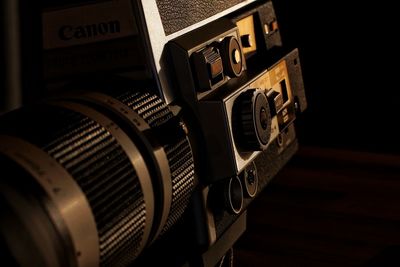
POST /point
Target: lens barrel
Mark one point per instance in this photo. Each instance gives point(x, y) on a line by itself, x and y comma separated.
point(98, 175)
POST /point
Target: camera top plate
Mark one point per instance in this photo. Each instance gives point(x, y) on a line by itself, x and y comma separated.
point(159, 29)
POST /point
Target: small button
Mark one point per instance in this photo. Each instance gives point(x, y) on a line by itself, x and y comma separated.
point(246, 41)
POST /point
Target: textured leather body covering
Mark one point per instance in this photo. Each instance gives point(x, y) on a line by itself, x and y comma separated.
point(179, 14)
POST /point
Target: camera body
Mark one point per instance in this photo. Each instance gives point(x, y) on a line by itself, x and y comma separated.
point(209, 93)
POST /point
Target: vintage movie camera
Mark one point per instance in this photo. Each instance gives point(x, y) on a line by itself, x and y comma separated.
point(158, 123)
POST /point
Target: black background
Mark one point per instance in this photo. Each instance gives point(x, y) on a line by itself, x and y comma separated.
point(350, 69)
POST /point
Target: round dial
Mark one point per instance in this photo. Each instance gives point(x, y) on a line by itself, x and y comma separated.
point(252, 120)
point(232, 56)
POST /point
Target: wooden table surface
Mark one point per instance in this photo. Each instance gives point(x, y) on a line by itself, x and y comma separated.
point(326, 208)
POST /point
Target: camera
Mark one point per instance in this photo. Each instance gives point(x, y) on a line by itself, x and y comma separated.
point(157, 124)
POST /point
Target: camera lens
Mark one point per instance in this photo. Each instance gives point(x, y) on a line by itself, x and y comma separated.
point(252, 120)
point(100, 186)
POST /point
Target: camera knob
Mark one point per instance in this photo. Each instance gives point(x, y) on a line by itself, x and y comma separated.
point(232, 57)
point(252, 120)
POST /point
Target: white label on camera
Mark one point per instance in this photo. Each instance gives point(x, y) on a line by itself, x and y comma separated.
point(88, 24)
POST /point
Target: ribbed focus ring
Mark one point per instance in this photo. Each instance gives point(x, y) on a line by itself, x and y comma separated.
point(182, 172)
point(155, 112)
point(104, 172)
point(107, 177)
point(150, 107)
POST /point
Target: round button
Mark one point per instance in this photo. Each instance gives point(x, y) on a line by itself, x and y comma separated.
point(232, 56)
point(250, 180)
point(234, 195)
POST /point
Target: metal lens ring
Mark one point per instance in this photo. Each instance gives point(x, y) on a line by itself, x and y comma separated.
point(104, 165)
point(177, 148)
point(59, 190)
point(171, 158)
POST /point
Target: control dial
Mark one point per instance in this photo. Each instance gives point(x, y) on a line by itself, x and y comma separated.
point(252, 120)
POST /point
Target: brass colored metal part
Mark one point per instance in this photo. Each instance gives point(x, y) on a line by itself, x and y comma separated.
point(246, 30)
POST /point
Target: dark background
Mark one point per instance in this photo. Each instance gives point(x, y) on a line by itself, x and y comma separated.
point(350, 65)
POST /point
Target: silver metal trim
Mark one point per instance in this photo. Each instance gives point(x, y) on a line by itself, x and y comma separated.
point(142, 126)
point(133, 154)
point(230, 197)
point(64, 193)
point(158, 39)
